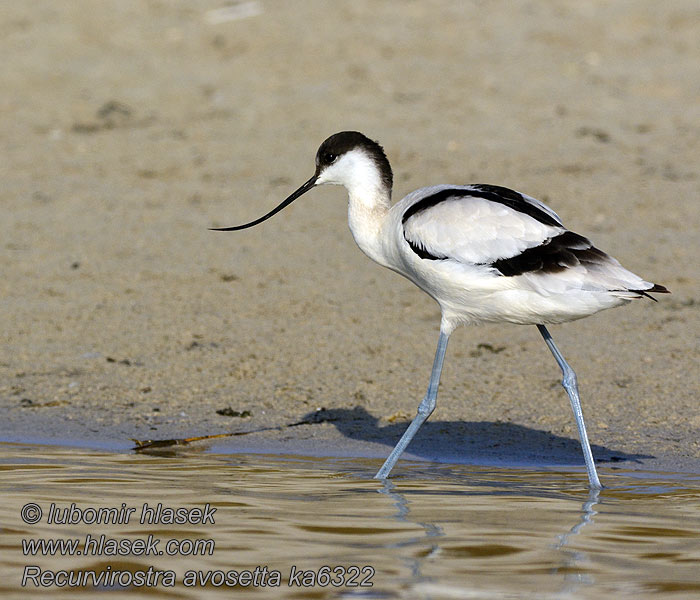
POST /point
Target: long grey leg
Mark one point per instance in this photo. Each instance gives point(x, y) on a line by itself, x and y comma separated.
point(425, 409)
point(571, 387)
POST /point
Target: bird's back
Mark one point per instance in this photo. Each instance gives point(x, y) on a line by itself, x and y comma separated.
point(496, 254)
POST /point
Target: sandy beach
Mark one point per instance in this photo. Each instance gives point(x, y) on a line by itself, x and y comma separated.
point(129, 128)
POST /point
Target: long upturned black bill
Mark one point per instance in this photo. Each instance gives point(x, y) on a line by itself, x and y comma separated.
point(302, 190)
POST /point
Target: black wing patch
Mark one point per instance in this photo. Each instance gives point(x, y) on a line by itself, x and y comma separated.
point(556, 254)
point(422, 252)
point(553, 255)
point(493, 193)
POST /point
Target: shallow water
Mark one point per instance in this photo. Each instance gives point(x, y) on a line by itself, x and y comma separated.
point(433, 531)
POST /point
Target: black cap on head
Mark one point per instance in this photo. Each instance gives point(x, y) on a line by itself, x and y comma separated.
point(340, 143)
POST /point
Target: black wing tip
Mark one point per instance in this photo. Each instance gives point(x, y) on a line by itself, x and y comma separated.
point(655, 289)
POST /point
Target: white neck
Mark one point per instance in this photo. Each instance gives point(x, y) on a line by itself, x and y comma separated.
point(369, 199)
point(367, 211)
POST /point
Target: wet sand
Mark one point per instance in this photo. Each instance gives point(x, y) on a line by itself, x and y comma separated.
point(130, 128)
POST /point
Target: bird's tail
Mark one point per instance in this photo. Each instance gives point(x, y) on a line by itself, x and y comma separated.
point(655, 289)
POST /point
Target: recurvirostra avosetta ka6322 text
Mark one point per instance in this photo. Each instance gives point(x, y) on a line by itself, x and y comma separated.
point(485, 253)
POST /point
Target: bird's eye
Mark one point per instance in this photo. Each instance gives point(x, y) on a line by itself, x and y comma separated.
point(329, 157)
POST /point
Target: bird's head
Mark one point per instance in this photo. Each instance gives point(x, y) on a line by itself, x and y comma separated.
point(348, 158)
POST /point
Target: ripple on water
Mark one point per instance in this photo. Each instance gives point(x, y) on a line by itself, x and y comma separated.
point(438, 531)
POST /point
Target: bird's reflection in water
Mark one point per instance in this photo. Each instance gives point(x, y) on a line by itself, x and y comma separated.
point(573, 565)
point(432, 531)
point(575, 560)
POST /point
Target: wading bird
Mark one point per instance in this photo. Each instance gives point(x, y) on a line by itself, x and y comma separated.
point(485, 253)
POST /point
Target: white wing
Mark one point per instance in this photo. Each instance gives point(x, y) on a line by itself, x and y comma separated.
point(466, 224)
